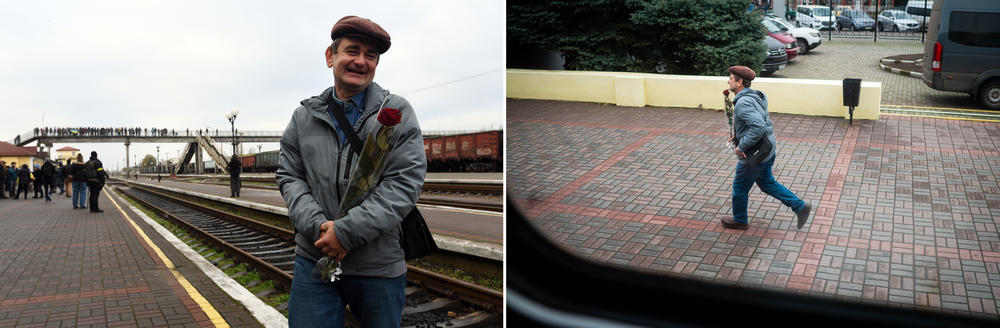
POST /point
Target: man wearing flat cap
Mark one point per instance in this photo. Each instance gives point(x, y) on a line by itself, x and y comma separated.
point(754, 135)
point(314, 169)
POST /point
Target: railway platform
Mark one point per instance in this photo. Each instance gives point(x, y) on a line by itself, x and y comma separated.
point(62, 267)
point(905, 209)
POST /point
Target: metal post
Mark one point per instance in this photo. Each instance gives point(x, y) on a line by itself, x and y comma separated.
point(923, 33)
point(830, 34)
point(876, 20)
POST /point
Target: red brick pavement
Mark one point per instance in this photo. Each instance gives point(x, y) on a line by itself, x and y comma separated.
point(905, 210)
point(62, 267)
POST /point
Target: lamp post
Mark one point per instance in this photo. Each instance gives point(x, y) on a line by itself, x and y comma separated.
point(231, 116)
point(157, 163)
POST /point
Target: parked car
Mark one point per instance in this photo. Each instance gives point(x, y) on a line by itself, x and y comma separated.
point(806, 37)
point(896, 20)
point(855, 20)
point(777, 57)
point(817, 17)
point(775, 31)
point(921, 12)
point(962, 53)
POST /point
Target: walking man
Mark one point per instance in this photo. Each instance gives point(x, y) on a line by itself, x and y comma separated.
point(95, 181)
point(234, 168)
point(752, 124)
point(314, 169)
point(48, 173)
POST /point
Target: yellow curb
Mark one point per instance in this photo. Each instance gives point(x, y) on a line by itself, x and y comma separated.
point(206, 307)
point(948, 108)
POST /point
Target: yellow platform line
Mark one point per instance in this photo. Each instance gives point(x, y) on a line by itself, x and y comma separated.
point(207, 307)
point(946, 108)
point(943, 117)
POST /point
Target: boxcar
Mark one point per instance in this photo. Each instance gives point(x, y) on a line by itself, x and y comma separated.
point(470, 152)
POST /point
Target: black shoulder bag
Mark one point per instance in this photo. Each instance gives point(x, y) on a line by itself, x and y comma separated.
point(756, 154)
point(415, 238)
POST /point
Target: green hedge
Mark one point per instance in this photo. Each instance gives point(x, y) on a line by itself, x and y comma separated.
point(700, 37)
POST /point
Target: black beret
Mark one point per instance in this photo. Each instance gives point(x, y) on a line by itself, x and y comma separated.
point(363, 28)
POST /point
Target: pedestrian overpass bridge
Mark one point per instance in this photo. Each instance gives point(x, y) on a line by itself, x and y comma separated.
point(196, 140)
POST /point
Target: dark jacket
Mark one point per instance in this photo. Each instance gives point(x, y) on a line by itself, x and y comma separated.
point(97, 176)
point(234, 167)
point(48, 172)
point(751, 121)
point(23, 176)
point(79, 172)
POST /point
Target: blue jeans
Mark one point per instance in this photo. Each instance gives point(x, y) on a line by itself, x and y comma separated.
point(761, 174)
point(79, 193)
point(375, 302)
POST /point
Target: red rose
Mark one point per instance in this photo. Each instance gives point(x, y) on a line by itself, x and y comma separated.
point(725, 92)
point(389, 116)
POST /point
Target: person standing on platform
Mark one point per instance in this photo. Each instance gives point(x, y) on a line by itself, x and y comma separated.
point(36, 180)
point(58, 183)
point(79, 183)
point(23, 180)
point(3, 180)
point(11, 179)
point(48, 173)
point(314, 169)
point(95, 181)
point(752, 124)
point(234, 168)
point(68, 176)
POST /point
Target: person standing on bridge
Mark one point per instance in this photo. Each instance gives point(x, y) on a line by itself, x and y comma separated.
point(79, 182)
point(752, 124)
point(95, 181)
point(314, 168)
point(234, 167)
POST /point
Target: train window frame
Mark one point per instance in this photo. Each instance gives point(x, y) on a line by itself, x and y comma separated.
point(543, 281)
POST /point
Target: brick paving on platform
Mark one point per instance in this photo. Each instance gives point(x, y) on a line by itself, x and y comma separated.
point(61, 267)
point(905, 210)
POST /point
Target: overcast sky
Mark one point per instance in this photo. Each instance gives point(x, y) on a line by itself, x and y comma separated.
point(183, 64)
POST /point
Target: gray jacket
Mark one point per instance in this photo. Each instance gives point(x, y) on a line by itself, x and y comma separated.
point(314, 170)
point(751, 120)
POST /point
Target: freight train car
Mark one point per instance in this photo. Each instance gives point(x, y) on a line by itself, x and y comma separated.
point(471, 152)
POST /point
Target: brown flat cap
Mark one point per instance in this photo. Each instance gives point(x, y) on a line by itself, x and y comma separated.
point(362, 28)
point(743, 72)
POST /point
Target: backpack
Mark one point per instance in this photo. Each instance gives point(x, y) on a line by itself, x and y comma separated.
point(90, 171)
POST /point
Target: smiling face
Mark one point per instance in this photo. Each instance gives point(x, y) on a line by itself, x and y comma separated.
point(353, 64)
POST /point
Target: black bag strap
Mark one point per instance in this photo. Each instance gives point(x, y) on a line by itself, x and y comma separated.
point(352, 136)
point(344, 125)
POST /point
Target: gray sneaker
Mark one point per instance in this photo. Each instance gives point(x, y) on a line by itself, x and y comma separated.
point(804, 215)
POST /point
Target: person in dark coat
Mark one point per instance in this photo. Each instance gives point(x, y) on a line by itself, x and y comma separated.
point(58, 181)
point(23, 179)
point(48, 174)
point(3, 180)
point(68, 176)
point(37, 181)
point(95, 181)
point(79, 183)
point(234, 167)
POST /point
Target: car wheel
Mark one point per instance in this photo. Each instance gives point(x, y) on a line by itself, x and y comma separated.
point(852, 27)
point(797, 24)
point(894, 28)
point(989, 94)
point(803, 46)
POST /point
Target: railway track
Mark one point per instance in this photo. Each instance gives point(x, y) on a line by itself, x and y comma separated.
point(433, 300)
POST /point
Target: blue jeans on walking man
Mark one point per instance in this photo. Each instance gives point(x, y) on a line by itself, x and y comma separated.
point(375, 302)
point(746, 176)
point(79, 194)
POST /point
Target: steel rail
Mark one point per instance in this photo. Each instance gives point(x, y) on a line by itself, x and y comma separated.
point(485, 298)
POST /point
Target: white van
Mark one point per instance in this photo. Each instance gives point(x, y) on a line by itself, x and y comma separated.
point(817, 17)
point(921, 11)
